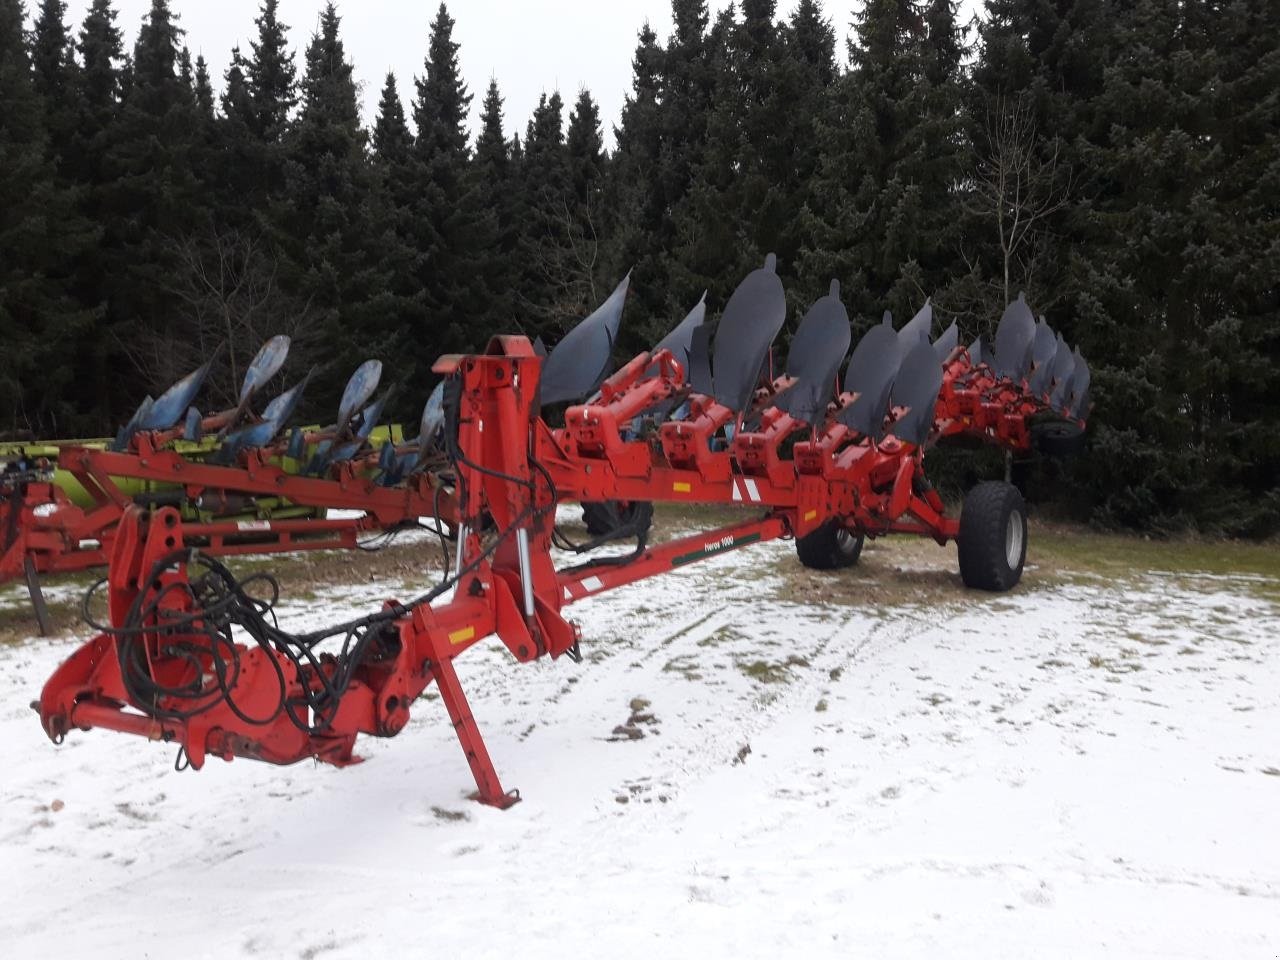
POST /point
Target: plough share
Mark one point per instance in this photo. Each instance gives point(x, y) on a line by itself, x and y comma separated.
point(193, 656)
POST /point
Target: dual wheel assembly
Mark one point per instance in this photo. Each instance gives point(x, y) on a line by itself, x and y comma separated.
point(992, 543)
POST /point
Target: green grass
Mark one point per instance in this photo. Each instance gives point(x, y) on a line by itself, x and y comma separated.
point(1083, 550)
point(763, 671)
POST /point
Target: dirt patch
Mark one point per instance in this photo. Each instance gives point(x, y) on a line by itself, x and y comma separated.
point(893, 571)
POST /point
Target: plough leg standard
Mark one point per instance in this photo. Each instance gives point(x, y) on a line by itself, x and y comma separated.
point(193, 656)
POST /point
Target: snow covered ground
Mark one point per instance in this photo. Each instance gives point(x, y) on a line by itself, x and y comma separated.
point(1084, 767)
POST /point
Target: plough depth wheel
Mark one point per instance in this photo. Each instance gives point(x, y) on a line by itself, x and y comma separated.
point(830, 547)
point(604, 517)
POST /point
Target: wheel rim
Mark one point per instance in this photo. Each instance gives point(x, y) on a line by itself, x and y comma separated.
point(1013, 539)
point(846, 542)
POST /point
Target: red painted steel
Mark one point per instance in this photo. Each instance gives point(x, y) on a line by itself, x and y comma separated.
point(57, 536)
point(512, 470)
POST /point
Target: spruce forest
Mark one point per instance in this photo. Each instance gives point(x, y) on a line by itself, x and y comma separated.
point(1118, 161)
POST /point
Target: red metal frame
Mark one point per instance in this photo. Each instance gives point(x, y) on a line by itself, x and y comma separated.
point(513, 469)
point(54, 535)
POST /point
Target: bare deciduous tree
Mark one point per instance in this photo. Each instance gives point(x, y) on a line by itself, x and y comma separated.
point(568, 261)
point(228, 284)
point(1018, 183)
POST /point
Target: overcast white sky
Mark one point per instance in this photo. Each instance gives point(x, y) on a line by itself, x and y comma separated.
point(531, 47)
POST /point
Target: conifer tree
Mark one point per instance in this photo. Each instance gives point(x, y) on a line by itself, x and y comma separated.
point(497, 176)
point(204, 90)
point(98, 103)
point(399, 177)
point(392, 141)
point(39, 320)
point(550, 293)
point(271, 75)
point(155, 198)
point(1171, 294)
point(739, 207)
point(637, 216)
point(882, 215)
point(56, 78)
point(452, 221)
point(260, 94)
point(326, 222)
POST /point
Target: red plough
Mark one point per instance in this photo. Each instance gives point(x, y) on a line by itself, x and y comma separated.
point(193, 656)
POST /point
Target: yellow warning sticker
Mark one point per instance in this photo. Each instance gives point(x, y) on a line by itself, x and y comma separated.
point(463, 635)
point(681, 487)
point(810, 515)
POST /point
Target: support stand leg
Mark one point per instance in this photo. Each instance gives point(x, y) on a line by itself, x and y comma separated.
point(37, 596)
point(488, 789)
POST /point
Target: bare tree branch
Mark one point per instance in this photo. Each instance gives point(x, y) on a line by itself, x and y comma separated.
point(227, 285)
point(1017, 186)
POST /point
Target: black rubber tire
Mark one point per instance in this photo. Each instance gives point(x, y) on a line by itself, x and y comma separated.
point(993, 527)
point(603, 517)
point(830, 547)
point(1058, 438)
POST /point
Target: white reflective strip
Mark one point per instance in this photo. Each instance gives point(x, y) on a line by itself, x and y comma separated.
point(592, 584)
point(568, 594)
point(737, 494)
point(753, 490)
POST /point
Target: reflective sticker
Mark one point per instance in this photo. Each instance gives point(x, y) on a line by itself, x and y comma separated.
point(681, 487)
point(253, 525)
point(463, 635)
point(593, 584)
point(810, 515)
point(753, 490)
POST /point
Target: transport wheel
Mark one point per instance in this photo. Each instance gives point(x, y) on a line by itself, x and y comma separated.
point(1057, 438)
point(829, 547)
point(605, 516)
point(993, 537)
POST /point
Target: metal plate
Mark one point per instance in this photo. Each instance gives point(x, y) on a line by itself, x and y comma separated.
point(358, 390)
point(280, 409)
point(917, 328)
point(680, 340)
point(977, 352)
point(126, 432)
point(265, 365)
point(752, 318)
point(173, 403)
point(916, 388)
point(1064, 365)
point(432, 418)
point(274, 417)
point(946, 343)
point(1080, 386)
point(700, 360)
point(871, 373)
point(581, 361)
point(817, 350)
point(1014, 338)
point(1043, 353)
point(1045, 344)
point(191, 429)
point(371, 415)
